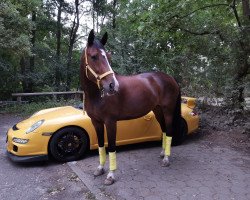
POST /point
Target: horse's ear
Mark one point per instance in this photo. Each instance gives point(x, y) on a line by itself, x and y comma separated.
point(104, 38)
point(91, 37)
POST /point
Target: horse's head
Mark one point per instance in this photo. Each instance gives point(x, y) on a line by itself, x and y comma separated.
point(97, 65)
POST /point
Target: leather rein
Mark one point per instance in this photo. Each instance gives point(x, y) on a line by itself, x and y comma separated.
point(97, 76)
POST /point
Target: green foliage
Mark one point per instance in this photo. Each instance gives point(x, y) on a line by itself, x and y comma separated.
point(15, 25)
point(30, 108)
point(205, 45)
point(198, 42)
point(16, 49)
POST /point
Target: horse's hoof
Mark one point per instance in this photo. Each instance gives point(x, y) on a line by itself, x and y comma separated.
point(99, 172)
point(109, 181)
point(162, 154)
point(165, 163)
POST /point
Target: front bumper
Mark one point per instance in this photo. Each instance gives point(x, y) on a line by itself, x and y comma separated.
point(35, 149)
point(22, 159)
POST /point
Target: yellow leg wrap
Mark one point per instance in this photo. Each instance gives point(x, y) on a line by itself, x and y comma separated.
point(168, 145)
point(163, 140)
point(112, 161)
point(102, 155)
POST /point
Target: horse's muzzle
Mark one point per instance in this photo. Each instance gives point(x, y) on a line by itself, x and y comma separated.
point(110, 93)
point(109, 90)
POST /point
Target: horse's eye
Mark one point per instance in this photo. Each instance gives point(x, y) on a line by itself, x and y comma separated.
point(94, 58)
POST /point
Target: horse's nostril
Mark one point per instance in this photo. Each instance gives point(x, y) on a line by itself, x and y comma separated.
point(111, 87)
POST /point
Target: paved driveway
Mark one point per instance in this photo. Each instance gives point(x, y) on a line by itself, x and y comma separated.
point(206, 166)
point(199, 170)
point(44, 180)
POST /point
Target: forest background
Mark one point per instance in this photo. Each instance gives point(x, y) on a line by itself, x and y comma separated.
point(204, 44)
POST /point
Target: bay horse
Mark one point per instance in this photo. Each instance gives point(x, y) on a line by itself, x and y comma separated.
point(110, 97)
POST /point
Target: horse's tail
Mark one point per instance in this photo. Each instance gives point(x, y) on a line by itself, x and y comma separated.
point(177, 135)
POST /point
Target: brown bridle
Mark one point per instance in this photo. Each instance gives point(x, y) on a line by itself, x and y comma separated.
point(98, 77)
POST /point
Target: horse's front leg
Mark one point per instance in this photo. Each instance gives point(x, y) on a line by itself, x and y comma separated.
point(99, 127)
point(111, 133)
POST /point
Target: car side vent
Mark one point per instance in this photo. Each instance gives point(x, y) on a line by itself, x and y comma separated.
point(15, 128)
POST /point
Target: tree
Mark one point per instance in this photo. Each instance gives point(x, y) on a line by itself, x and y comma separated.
point(195, 41)
point(15, 45)
point(205, 45)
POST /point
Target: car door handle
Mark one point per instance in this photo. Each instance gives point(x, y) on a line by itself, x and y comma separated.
point(147, 117)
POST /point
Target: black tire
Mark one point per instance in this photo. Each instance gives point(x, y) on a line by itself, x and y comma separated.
point(179, 139)
point(68, 144)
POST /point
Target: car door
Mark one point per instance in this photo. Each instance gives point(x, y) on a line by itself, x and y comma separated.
point(145, 128)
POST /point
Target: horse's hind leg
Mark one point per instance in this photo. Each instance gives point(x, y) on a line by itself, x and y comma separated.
point(160, 118)
point(168, 116)
point(99, 127)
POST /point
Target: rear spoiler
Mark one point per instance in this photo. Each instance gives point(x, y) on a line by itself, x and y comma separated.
point(190, 101)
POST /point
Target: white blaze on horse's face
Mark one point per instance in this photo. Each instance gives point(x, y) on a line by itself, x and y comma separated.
point(115, 82)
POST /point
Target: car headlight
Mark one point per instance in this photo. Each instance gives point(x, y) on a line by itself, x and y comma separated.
point(35, 126)
point(19, 140)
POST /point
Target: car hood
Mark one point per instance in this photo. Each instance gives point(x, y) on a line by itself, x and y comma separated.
point(51, 113)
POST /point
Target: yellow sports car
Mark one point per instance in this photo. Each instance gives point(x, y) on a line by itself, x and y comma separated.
point(66, 133)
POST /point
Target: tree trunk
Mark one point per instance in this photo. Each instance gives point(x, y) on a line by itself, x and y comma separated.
point(72, 41)
point(114, 14)
point(244, 67)
point(242, 72)
point(58, 34)
point(68, 66)
point(97, 22)
point(246, 8)
point(58, 45)
point(32, 57)
point(242, 55)
point(23, 73)
point(93, 14)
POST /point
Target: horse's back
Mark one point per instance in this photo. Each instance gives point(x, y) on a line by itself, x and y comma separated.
point(157, 81)
point(147, 89)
